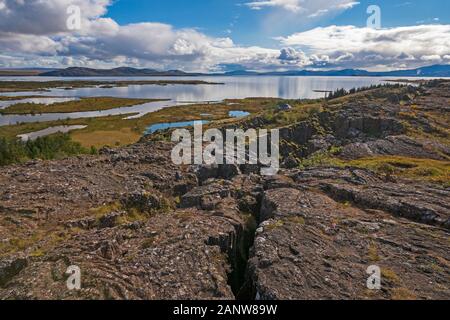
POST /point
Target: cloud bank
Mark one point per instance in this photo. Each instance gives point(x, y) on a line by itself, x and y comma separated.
point(364, 47)
point(34, 33)
point(310, 7)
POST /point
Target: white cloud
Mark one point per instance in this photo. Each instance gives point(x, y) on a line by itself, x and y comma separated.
point(36, 28)
point(318, 13)
point(102, 42)
point(30, 44)
point(312, 8)
point(42, 17)
point(290, 56)
point(393, 45)
point(433, 57)
point(291, 5)
point(162, 46)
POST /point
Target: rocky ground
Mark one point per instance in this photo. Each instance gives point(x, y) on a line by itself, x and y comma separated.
point(140, 227)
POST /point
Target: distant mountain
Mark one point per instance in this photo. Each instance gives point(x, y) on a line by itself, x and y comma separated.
point(240, 73)
point(329, 73)
point(430, 71)
point(117, 72)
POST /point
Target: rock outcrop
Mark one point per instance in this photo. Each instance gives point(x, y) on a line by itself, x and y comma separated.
point(140, 227)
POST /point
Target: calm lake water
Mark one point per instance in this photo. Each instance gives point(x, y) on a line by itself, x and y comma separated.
point(233, 88)
point(163, 126)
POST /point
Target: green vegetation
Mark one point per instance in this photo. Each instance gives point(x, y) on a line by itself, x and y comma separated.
point(301, 111)
point(7, 98)
point(104, 210)
point(296, 220)
point(390, 166)
point(21, 86)
point(117, 131)
point(342, 92)
point(413, 168)
point(37, 242)
point(390, 276)
point(84, 104)
point(274, 225)
point(373, 252)
point(402, 294)
point(46, 148)
point(323, 158)
point(134, 211)
point(129, 214)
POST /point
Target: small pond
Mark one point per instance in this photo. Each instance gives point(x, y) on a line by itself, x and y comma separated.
point(163, 126)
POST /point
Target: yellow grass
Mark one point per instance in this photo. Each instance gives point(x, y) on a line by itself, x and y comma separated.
point(101, 138)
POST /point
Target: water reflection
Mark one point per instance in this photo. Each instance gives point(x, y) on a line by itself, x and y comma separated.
point(47, 101)
point(136, 111)
point(163, 126)
point(233, 88)
point(238, 114)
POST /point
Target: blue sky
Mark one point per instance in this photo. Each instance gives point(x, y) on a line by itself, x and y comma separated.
point(218, 17)
point(221, 35)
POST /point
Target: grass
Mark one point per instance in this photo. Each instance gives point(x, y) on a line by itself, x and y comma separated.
point(372, 252)
point(413, 168)
point(301, 111)
point(29, 241)
point(274, 225)
point(133, 215)
point(120, 137)
point(296, 220)
point(402, 294)
point(132, 212)
point(436, 171)
point(322, 158)
point(38, 243)
point(390, 276)
point(102, 211)
point(116, 131)
point(82, 105)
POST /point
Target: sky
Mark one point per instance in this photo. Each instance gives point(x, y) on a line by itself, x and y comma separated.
point(225, 35)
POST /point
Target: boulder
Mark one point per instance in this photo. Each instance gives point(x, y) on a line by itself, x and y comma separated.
point(11, 267)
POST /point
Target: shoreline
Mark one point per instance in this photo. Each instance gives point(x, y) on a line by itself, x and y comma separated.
point(25, 86)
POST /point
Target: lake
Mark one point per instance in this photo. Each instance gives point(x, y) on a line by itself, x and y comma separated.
point(167, 125)
point(233, 88)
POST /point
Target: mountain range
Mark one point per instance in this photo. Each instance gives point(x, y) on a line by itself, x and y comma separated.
point(429, 71)
point(116, 72)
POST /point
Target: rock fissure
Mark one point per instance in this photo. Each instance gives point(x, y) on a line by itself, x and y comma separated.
point(140, 227)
